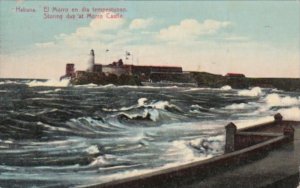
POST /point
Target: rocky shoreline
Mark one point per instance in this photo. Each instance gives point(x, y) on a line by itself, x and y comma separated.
point(201, 79)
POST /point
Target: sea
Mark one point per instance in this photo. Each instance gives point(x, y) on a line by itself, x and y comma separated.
point(53, 134)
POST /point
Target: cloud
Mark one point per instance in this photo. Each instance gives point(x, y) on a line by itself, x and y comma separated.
point(96, 30)
point(141, 23)
point(191, 29)
point(45, 45)
point(211, 55)
point(235, 38)
point(106, 24)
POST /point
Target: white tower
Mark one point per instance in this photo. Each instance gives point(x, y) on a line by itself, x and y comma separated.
point(91, 61)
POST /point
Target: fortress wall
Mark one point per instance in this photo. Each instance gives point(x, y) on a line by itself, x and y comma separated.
point(183, 175)
point(245, 140)
point(116, 70)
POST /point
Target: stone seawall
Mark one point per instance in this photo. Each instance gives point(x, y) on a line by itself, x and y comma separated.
point(248, 145)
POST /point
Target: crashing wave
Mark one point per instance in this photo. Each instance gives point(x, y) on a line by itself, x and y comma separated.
point(142, 102)
point(276, 100)
point(254, 92)
point(148, 115)
point(49, 91)
point(226, 88)
point(290, 113)
point(91, 85)
point(92, 149)
point(49, 83)
point(208, 146)
point(239, 106)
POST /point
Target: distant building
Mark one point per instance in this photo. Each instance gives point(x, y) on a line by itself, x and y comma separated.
point(235, 75)
point(91, 62)
point(147, 70)
point(119, 68)
point(70, 70)
point(97, 68)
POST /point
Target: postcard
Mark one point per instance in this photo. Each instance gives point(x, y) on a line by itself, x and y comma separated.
point(149, 93)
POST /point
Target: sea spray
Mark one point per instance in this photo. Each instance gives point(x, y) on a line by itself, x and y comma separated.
point(275, 99)
point(81, 130)
point(49, 83)
point(226, 88)
point(254, 92)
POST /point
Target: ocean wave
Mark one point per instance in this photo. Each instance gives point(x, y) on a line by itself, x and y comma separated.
point(91, 126)
point(92, 149)
point(254, 92)
point(209, 146)
point(239, 106)
point(91, 85)
point(150, 111)
point(148, 114)
point(183, 151)
point(49, 91)
point(162, 105)
point(10, 82)
point(49, 83)
point(226, 88)
point(143, 103)
point(197, 109)
point(277, 100)
point(290, 113)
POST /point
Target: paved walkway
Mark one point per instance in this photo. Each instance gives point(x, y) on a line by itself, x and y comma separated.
point(280, 165)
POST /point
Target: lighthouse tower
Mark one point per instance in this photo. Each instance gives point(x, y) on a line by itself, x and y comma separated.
point(91, 61)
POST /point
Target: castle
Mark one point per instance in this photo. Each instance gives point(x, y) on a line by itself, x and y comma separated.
point(118, 68)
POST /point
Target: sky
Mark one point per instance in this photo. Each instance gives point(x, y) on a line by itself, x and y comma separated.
point(256, 38)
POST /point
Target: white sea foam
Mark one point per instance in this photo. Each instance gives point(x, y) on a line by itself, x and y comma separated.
point(290, 113)
point(135, 172)
point(276, 100)
point(49, 91)
point(8, 141)
point(237, 106)
point(10, 82)
point(91, 85)
point(100, 160)
point(180, 151)
point(154, 114)
point(226, 88)
point(92, 149)
point(162, 105)
point(211, 145)
point(49, 83)
point(195, 106)
point(254, 92)
point(141, 101)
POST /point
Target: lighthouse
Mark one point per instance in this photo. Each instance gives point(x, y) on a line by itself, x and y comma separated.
point(91, 61)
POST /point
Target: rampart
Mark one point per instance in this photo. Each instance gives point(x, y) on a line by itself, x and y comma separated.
point(242, 147)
